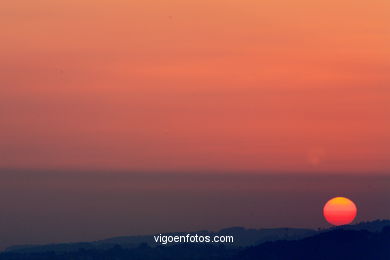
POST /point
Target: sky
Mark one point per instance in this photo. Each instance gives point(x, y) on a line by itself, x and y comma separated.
point(191, 87)
point(195, 85)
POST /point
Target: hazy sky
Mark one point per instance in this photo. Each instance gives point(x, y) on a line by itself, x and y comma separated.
point(195, 85)
point(121, 112)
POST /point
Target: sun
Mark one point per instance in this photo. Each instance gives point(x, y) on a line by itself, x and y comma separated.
point(340, 211)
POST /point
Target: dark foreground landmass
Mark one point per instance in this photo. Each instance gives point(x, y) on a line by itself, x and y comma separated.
point(369, 240)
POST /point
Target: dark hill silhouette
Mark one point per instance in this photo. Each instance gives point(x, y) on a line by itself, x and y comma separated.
point(372, 226)
point(367, 240)
point(243, 238)
point(335, 244)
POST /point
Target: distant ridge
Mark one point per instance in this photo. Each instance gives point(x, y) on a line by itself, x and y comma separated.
point(372, 226)
point(248, 241)
point(335, 244)
point(243, 237)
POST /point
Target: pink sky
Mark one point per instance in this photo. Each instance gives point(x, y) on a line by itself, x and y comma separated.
point(280, 86)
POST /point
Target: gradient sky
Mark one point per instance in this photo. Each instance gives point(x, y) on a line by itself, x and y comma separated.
point(195, 85)
point(110, 105)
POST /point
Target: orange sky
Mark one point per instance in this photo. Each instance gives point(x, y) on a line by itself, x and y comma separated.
point(216, 85)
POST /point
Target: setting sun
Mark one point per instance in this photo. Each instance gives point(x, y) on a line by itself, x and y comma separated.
point(340, 211)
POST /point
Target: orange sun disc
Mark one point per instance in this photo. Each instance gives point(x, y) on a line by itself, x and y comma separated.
point(340, 211)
